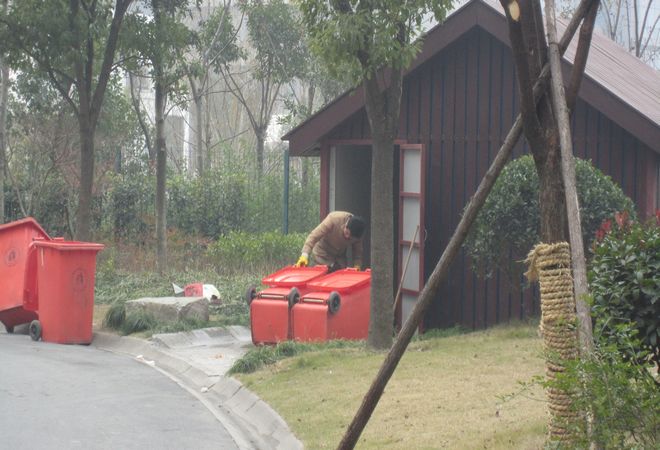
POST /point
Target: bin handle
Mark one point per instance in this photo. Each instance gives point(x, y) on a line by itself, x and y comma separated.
point(260, 295)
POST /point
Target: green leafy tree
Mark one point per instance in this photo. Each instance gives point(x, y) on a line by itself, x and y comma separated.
point(508, 222)
point(159, 41)
point(42, 161)
point(374, 42)
point(275, 57)
point(73, 42)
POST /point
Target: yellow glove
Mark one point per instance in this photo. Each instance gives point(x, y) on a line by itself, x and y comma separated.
point(302, 261)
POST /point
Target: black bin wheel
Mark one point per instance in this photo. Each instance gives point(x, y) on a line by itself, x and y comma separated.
point(293, 297)
point(250, 294)
point(9, 328)
point(334, 301)
point(35, 330)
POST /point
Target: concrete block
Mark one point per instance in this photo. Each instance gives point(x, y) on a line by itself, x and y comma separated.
point(171, 309)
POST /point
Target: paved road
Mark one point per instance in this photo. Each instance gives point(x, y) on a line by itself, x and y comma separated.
point(68, 396)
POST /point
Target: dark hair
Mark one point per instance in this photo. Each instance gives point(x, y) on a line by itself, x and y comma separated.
point(356, 226)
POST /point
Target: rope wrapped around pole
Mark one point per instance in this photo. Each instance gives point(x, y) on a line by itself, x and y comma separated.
point(550, 264)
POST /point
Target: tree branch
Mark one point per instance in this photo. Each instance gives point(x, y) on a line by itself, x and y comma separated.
point(581, 54)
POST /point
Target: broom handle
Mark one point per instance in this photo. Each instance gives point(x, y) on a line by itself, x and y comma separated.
point(405, 269)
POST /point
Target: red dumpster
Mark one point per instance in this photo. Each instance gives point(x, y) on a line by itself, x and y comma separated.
point(60, 286)
point(336, 307)
point(15, 238)
point(270, 308)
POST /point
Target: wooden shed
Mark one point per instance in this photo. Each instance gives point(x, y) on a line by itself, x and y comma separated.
point(459, 101)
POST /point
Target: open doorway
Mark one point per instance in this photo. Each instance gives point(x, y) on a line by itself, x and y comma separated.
point(350, 186)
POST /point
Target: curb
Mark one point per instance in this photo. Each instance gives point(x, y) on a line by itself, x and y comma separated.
point(251, 422)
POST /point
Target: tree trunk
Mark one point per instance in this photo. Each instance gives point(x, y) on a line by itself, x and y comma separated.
point(161, 168)
point(382, 230)
point(551, 191)
point(84, 215)
point(261, 137)
point(383, 109)
point(568, 175)
point(4, 89)
point(90, 101)
point(199, 127)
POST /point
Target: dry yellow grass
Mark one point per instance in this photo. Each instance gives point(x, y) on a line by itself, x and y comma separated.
point(445, 394)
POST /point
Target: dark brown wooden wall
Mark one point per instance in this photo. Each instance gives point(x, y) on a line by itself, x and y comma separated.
point(460, 105)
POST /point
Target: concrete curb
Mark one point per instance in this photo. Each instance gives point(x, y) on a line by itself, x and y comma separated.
point(251, 422)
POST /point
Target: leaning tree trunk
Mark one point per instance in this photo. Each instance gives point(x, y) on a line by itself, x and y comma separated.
point(161, 166)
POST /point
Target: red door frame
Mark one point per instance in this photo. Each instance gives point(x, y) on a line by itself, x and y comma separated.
point(404, 244)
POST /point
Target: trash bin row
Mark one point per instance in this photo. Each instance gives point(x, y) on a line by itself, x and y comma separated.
point(47, 282)
point(310, 304)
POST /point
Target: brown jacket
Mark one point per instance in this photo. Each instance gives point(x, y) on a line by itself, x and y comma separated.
point(328, 244)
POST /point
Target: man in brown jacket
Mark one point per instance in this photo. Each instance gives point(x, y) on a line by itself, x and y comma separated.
point(330, 240)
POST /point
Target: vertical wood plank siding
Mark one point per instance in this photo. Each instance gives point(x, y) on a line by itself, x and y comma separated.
point(460, 105)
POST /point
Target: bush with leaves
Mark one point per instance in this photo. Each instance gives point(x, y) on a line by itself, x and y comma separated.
point(624, 280)
point(620, 394)
point(210, 205)
point(509, 220)
point(255, 253)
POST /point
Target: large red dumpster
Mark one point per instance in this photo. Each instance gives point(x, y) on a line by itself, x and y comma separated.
point(336, 307)
point(270, 308)
point(60, 280)
point(15, 238)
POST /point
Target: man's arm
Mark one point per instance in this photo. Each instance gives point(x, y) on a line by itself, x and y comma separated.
point(357, 253)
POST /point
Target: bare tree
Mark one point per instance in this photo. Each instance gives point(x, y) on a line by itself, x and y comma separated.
point(635, 24)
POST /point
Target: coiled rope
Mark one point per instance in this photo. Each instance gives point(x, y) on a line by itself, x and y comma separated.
point(550, 264)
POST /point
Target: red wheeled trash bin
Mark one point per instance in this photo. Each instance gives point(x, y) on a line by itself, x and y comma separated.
point(15, 238)
point(270, 308)
point(336, 307)
point(60, 286)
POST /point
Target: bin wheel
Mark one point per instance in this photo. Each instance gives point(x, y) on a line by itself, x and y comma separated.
point(250, 294)
point(35, 330)
point(293, 297)
point(10, 329)
point(334, 301)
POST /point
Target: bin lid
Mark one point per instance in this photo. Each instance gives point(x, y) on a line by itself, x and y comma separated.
point(294, 276)
point(345, 280)
point(69, 245)
point(27, 222)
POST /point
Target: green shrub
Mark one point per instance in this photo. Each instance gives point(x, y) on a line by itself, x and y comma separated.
point(624, 280)
point(509, 219)
point(617, 385)
point(210, 205)
point(115, 316)
point(620, 395)
point(130, 205)
point(255, 253)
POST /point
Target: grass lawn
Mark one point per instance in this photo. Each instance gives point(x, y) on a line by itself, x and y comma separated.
point(446, 393)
